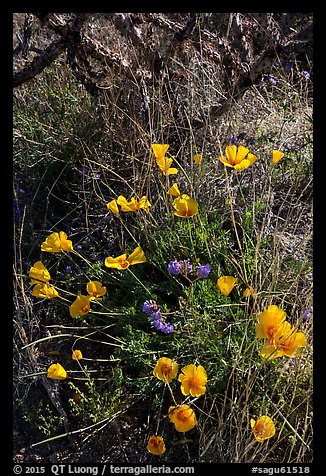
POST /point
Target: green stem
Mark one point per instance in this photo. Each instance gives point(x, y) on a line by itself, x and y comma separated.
point(139, 281)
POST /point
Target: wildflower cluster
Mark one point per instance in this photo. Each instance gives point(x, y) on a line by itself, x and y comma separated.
point(164, 163)
point(40, 279)
point(280, 338)
point(193, 379)
point(81, 306)
point(184, 268)
point(184, 205)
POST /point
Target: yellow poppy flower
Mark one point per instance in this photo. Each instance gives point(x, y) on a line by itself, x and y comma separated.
point(80, 307)
point(95, 290)
point(57, 242)
point(249, 291)
point(122, 262)
point(185, 206)
point(165, 369)
point(156, 445)
point(160, 150)
point(193, 380)
point(198, 158)
point(263, 428)
point(164, 164)
point(277, 156)
point(38, 272)
point(269, 321)
point(76, 355)
point(286, 341)
point(174, 190)
point(44, 291)
point(113, 207)
point(57, 372)
point(183, 417)
point(272, 348)
point(239, 158)
point(292, 346)
point(226, 284)
point(144, 204)
point(133, 205)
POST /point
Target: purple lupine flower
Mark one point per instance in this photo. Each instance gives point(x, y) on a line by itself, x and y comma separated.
point(84, 170)
point(79, 247)
point(287, 66)
point(158, 324)
point(68, 269)
point(150, 306)
point(251, 140)
point(271, 79)
point(174, 267)
point(156, 316)
point(16, 211)
point(233, 139)
point(161, 325)
point(185, 266)
point(242, 135)
point(203, 270)
point(167, 328)
point(307, 314)
point(306, 74)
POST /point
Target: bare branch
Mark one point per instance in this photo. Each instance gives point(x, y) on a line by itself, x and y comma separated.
point(39, 63)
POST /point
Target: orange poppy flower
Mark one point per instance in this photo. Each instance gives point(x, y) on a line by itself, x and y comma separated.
point(277, 156)
point(159, 150)
point(165, 165)
point(185, 206)
point(57, 242)
point(183, 417)
point(133, 205)
point(95, 290)
point(226, 284)
point(57, 372)
point(113, 207)
point(239, 158)
point(76, 355)
point(174, 190)
point(286, 341)
point(269, 321)
point(44, 291)
point(165, 369)
point(193, 380)
point(80, 307)
point(38, 272)
point(122, 262)
point(263, 429)
point(156, 445)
